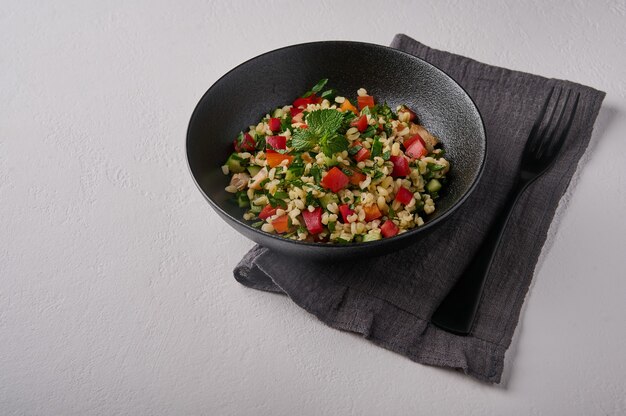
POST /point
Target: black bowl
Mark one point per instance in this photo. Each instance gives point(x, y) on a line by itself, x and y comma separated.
point(276, 78)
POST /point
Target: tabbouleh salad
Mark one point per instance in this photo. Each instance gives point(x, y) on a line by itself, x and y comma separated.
point(325, 170)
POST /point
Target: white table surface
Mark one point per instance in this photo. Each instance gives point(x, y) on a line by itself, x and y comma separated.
point(116, 288)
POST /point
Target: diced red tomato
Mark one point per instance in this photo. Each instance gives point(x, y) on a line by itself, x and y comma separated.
point(297, 118)
point(247, 144)
point(400, 166)
point(406, 109)
point(362, 155)
point(303, 102)
point(372, 212)
point(360, 123)
point(281, 224)
point(335, 180)
point(313, 220)
point(304, 126)
point(410, 140)
point(366, 101)
point(403, 195)
point(267, 212)
point(295, 111)
point(274, 124)
point(345, 212)
point(357, 177)
point(274, 158)
point(389, 229)
point(276, 142)
point(416, 149)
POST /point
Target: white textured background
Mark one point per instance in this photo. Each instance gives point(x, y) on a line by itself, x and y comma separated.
point(116, 292)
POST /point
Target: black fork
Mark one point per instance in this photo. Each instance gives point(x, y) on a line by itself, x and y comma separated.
point(457, 311)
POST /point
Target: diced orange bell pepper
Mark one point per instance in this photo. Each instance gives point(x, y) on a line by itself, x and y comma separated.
point(281, 224)
point(372, 212)
point(347, 105)
point(357, 177)
point(274, 158)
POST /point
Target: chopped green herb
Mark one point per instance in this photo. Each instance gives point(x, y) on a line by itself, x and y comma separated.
point(317, 88)
point(369, 132)
point(354, 150)
point(310, 200)
point(285, 122)
point(386, 155)
point(377, 147)
point(329, 95)
point(316, 172)
point(434, 167)
point(384, 111)
point(260, 142)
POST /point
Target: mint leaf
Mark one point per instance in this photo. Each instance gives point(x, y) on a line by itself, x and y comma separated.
point(323, 126)
point(326, 121)
point(333, 144)
point(303, 140)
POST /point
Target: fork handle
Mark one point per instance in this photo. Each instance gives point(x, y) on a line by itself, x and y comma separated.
point(457, 311)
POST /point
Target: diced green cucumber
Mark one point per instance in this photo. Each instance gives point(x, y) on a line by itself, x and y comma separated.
point(372, 237)
point(242, 200)
point(253, 170)
point(330, 161)
point(329, 198)
point(234, 163)
point(291, 175)
point(433, 186)
point(255, 208)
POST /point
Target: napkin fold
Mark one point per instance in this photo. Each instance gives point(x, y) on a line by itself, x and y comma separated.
point(390, 299)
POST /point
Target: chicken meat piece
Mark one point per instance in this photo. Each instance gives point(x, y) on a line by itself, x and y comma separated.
point(240, 181)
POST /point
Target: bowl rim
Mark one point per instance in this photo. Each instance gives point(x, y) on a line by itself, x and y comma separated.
point(348, 246)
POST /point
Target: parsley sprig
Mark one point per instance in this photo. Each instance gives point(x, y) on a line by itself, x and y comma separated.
point(323, 126)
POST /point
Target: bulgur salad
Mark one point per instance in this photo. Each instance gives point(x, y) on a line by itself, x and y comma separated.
point(325, 170)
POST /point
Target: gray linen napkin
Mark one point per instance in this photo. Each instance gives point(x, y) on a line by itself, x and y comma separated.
point(390, 299)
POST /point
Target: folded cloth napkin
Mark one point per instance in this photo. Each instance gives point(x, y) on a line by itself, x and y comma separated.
point(390, 299)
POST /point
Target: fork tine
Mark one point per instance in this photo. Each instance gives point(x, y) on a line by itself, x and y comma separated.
point(540, 139)
point(544, 108)
point(552, 134)
point(553, 145)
